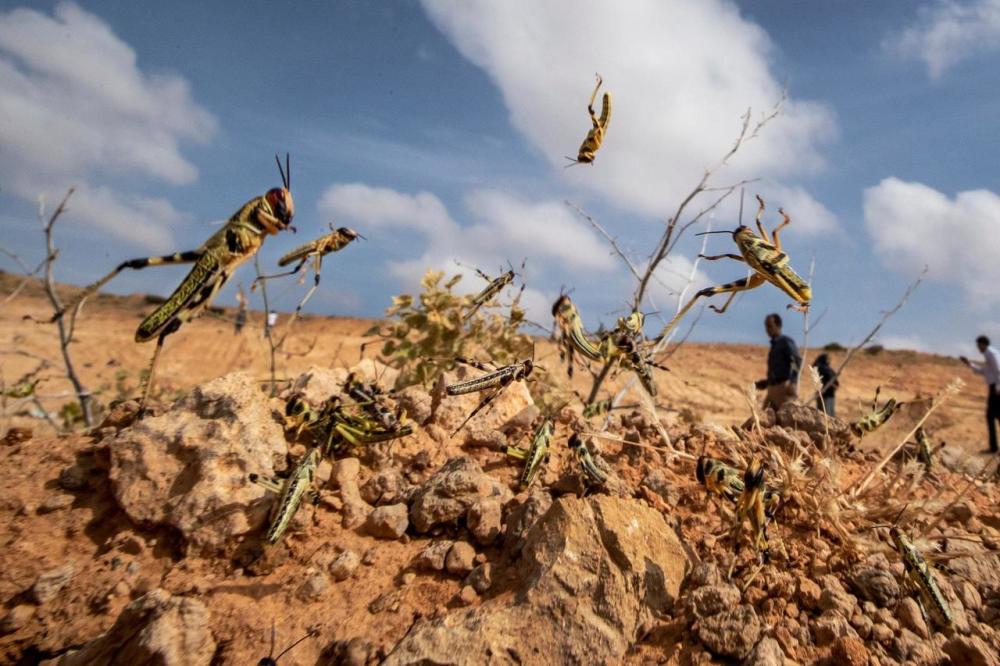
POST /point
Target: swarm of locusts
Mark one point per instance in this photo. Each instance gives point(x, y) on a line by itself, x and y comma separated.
point(364, 414)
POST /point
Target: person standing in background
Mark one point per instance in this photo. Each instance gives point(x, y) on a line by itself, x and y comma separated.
point(830, 384)
point(989, 370)
point(783, 365)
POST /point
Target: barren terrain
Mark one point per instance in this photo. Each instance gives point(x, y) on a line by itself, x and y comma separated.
point(141, 541)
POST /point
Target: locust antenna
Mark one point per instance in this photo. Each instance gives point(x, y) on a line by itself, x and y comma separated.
point(281, 170)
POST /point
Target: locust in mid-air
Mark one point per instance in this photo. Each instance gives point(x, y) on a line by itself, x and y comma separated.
point(595, 137)
point(214, 263)
point(316, 249)
point(494, 287)
point(764, 256)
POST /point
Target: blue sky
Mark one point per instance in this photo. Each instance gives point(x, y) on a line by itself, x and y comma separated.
point(438, 130)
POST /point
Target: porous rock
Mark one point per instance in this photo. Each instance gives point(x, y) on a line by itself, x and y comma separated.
point(712, 599)
point(388, 522)
point(522, 518)
point(194, 461)
point(156, 628)
point(317, 384)
point(49, 584)
point(876, 584)
point(484, 520)
point(461, 558)
point(451, 491)
point(432, 557)
point(386, 486)
point(602, 565)
point(731, 633)
point(807, 418)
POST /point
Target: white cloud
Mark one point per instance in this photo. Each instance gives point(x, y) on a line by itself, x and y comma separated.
point(947, 33)
point(546, 233)
point(75, 108)
point(914, 225)
point(681, 73)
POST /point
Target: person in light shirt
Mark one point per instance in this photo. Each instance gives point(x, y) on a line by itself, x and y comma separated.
point(989, 369)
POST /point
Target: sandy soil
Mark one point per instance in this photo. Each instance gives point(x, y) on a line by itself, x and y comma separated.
point(117, 561)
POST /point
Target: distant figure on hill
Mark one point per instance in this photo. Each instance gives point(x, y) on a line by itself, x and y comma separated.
point(241, 313)
point(989, 369)
point(783, 365)
point(830, 382)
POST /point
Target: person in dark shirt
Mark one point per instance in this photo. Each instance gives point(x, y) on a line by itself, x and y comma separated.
point(783, 364)
point(830, 381)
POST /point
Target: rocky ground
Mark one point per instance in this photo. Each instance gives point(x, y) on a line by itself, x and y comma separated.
point(141, 541)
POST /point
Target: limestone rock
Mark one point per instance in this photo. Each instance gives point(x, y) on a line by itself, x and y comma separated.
point(731, 633)
point(602, 565)
point(461, 558)
point(484, 520)
point(155, 629)
point(388, 522)
point(193, 462)
point(451, 491)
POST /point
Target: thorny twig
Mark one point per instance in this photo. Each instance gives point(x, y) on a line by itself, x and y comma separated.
point(885, 317)
point(65, 334)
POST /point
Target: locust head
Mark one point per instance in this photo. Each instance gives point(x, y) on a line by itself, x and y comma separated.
point(703, 469)
point(280, 198)
point(753, 478)
point(282, 205)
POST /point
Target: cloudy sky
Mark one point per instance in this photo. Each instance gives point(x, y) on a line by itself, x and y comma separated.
point(439, 128)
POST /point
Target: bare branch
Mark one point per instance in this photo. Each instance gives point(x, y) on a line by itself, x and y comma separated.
point(672, 234)
point(65, 335)
point(611, 240)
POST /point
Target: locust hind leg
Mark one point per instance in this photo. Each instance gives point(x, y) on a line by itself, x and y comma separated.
point(760, 225)
point(590, 105)
point(715, 257)
point(784, 223)
point(170, 328)
point(482, 404)
point(317, 268)
point(733, 288)
point(742, 284)
point(264, 278)
point(188, 257)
